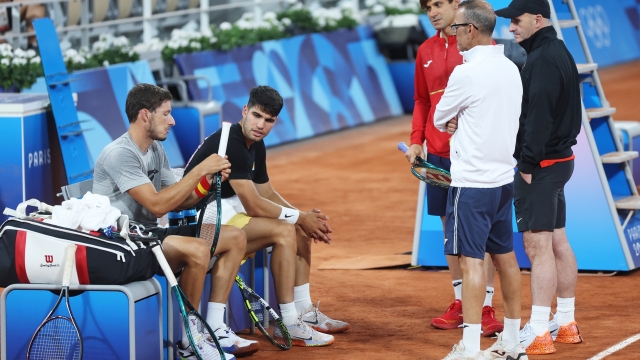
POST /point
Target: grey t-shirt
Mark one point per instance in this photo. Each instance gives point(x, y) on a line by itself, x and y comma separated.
point(122, 166)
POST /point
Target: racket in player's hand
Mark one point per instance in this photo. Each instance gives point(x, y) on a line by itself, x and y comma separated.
point(427, 172)
point(58, 337)
point(202, 339)
point(264, 317)
point(209, 221)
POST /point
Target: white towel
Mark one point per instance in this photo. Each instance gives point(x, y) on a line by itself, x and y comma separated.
point(90, 213)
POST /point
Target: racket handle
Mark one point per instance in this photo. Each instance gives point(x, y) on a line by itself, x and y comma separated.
point(224, 138)
point(166, 269)
point(402, 146)
point(69, 257)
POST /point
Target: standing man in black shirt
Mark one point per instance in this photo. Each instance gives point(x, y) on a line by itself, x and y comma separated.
point(250, 203)
point(549, 124)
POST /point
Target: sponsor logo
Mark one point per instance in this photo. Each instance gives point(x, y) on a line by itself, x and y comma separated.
point(500, 353)
point(517, 221)
point(48, 258)
point(287, 216)
point(596, 25)
point(152, 173)
point(428, 63)
point(49, 262)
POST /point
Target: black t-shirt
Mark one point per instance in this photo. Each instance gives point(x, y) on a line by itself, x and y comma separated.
point(246, 163)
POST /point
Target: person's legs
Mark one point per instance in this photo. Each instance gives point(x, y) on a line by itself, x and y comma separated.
point(568, 331)
point(231, 249)
point(192, 256)
point(473, 291)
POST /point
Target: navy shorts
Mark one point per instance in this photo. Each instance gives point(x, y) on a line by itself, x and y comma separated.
point(436, 195)
point(479, 220)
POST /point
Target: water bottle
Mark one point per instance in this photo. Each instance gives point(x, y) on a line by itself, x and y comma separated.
point(176, 218)
point(191, 216)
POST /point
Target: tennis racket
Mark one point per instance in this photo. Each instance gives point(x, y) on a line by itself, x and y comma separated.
point(427, 172)
point(58, 337)
point(203, 341)
point(208, 215)
point(264, 317)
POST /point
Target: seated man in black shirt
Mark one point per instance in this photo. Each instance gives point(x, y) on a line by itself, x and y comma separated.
point(249, 202)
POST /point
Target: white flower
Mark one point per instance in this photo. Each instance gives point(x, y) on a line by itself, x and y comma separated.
point(285, 21)
point(120, 41)
point(5, 47)
point(213, 40)
point(105, 37)
point(195, 45)
point(297, 6)
point(78, 59)
point(6, 53)
point(245, 25)
point(19, 61)
point(35, 60)
point(269, 15)
point(225, 26)
point(105, 63)
point(31, 53)
point(247, 16)
point(5, 61)
point(100, 46)
point(293, 1)
point(370, 3)
point(19, 53)
point(377, 9)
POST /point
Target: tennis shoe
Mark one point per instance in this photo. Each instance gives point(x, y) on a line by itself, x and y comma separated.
point(304, 335)
point(536, 345)
point(490, 325)
point(553, 327)
point(499, 350)
point(452, 318)
point(321, 322)
point(187, 353)
point(234, 344)
point(457, 353)
point(569, 334)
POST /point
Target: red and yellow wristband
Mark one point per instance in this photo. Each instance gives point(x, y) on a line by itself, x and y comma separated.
point(202, 189)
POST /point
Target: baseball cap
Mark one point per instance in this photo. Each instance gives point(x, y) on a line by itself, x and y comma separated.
point(519, 7)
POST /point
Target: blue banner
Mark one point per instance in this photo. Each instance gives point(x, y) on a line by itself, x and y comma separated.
point(328, 81)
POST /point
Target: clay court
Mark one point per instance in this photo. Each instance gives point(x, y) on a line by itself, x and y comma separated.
point(363, 183)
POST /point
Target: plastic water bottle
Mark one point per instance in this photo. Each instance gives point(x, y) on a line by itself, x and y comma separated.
point(191, 216)
point(176, 218)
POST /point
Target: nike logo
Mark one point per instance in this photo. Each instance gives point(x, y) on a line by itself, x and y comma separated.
point(301, 338)
point(287, 216)
point(428, 63)
point(445, 240)
point(517, 221)
point(500, 353)
point(457, 283)
point(315, 322)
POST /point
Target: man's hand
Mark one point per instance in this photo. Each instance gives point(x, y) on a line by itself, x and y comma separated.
point(452, 125)
point(414, 150)
point(526, 177)
point(215, 163)
point(314, 225)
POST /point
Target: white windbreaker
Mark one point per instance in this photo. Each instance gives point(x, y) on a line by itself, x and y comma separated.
point(485, 93)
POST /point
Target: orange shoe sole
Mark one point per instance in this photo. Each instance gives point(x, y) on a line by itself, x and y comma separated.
point(569, 334)
point(542, 345)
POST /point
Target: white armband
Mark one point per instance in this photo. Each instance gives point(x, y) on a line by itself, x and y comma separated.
point(289, 215)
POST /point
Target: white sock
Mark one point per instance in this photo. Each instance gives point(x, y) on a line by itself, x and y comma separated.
point(289, 313)
point(457, 288)
point(215, 315)
point(511, 333)
point(302, 297)
point(488, 298)
point(565, 312)
point(471, 339)
point(540, 319)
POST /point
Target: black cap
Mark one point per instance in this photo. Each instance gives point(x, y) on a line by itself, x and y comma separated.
point(519, 7)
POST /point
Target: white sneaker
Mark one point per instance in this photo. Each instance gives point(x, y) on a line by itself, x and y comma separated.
point(234, 344)
point(206, 346)
point(536, 345)
point(303, 335)
point(499, 351)
point(188, 354)
point(457, 353)
point(321, 322)
point(554, 327)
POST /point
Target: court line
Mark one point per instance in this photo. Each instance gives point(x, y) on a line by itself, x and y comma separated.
point(616, 347)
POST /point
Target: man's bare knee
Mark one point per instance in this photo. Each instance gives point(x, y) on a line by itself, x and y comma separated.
point(285, 234)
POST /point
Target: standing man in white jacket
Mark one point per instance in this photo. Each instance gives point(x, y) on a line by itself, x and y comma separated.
point(481, 104)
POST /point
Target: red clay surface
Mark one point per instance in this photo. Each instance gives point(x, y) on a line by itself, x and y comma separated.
point(363, 183)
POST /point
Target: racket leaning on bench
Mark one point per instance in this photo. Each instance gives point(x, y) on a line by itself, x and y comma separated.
point(58, 337)
point(427, 172)
point(264, 317)
point(209, 215)
point(197, 329)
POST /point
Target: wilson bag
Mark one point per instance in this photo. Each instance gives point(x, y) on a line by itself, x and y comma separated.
point(32, 252)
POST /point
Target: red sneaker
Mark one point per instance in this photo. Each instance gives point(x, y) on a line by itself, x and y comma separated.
point(490, 325)
point(451, 319)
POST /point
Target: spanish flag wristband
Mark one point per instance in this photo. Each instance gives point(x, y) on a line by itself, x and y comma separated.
point(202, 189)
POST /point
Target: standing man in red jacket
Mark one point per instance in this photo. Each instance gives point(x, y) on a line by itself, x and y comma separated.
point(436, 59)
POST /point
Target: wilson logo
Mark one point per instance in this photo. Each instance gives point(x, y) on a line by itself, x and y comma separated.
point(48, 258)
point(49, 262)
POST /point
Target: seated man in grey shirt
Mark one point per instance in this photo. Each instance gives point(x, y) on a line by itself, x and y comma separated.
point(133, 171)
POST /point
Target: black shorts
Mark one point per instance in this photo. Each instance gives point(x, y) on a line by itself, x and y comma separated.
point(436, 195)
point(541, 205)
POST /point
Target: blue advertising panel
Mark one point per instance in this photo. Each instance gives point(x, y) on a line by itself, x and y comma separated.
point(328, 81)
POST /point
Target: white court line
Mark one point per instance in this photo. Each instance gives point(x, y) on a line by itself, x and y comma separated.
point(616, 347)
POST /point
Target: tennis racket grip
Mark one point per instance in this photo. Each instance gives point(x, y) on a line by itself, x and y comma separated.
point(403, 147)
point(69, 257)
point(224, 138)
point(166, 269)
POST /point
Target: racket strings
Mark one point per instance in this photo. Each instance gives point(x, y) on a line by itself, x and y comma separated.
point(431, 174)
point(210, 227)
point(57, 339)
point(203, 341)
point(268, 322)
